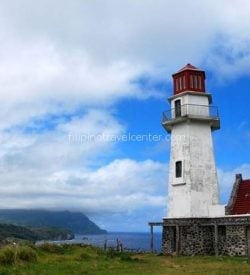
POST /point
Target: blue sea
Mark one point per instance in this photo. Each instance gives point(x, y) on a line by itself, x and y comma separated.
point(130, 241)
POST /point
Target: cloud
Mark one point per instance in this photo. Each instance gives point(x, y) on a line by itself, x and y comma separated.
point(123, 185)
point(230, 57)
point(58, 55)
point(46, 81)
point(64, 65)
point(62, 145)
point(60, 168)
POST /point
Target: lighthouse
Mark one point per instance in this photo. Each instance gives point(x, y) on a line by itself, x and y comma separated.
point(196, 223)
point(193, 184)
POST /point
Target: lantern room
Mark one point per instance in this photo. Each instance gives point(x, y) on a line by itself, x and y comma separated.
point(189, 78)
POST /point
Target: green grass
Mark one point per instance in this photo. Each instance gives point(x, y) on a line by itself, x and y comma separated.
point(75, 259)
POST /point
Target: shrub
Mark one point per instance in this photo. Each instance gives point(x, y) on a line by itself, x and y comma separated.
point(52, 248)
point(8, 255)
point(32, 246)
point(125, 257)
point(112, 253)
point(83, 256)
point(100, 252)
point(27, 254)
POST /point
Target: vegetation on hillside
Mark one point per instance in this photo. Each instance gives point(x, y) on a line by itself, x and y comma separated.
point(73, 221)
point(82, 259)
point(52, 233)
point(10, 231)
point(17, 232)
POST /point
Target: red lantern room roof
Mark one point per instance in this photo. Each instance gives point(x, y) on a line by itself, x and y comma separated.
point(189, 78)
point(189, 67)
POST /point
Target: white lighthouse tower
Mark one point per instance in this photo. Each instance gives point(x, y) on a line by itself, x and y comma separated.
point(193, 185)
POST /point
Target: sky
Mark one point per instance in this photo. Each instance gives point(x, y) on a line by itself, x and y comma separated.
point(78, 79)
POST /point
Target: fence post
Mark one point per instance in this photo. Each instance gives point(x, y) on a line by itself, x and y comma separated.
point(152, 238)
point(105, 245)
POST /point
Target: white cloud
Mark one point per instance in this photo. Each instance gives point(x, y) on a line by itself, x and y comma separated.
point(48, 80)
point(56, 169)
point(121, 186)
point(67, 63)
point(61, 146)
point(57, 55)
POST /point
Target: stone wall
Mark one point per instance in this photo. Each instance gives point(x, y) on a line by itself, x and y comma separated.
point(169, 241)
point(206, 236)
point(236, 240)
point(222, 240)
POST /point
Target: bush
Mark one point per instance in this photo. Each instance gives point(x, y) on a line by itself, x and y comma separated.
point(100, 252)
point(52, 248)
point(83, 256)
point(7, 255)
point(27, 254)
point(126, 257)
point(112, 253)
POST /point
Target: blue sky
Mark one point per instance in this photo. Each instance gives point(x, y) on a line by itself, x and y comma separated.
point(74, 69)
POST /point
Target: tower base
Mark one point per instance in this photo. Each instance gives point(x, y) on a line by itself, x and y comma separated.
point(228, 235)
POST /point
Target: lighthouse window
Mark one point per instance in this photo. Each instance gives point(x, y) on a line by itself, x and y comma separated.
point(184, 83)
point(180, 79)
point(195, 82)
point(177, 84)
point(199, 82)
point(178, 169)
point(177, 105)
point(191, 81)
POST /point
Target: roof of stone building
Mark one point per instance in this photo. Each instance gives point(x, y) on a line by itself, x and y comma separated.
point(242, 202)
point(239, 202)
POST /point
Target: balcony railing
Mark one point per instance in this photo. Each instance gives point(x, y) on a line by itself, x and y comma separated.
point(191, 110)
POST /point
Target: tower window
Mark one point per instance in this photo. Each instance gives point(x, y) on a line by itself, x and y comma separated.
point(178, 169)
point(195, 82)
point(199, 82)
point(177, 105)
point(177, 84)
point(191, 81)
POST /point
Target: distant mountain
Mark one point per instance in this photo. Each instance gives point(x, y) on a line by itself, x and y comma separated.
point(10, 231)
point(73, 221)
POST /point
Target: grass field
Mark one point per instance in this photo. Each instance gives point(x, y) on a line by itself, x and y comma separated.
point(51, 259)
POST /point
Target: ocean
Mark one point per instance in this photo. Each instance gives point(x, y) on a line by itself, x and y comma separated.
point(130, 241)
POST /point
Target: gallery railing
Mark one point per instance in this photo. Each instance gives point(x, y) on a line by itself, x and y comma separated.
point(192, 110)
